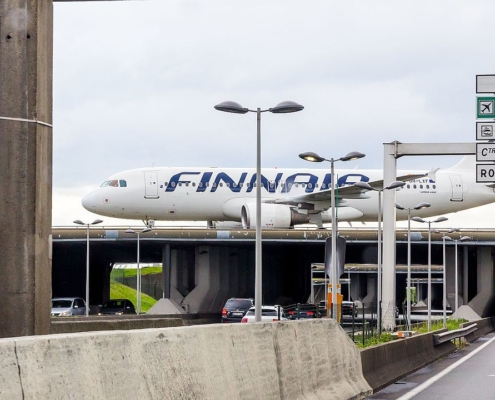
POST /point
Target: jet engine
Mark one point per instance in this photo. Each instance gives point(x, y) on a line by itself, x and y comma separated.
point(272, 216)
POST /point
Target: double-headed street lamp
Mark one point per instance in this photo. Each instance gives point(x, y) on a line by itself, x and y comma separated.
point(408, 289)
point(281, 108)
point(367, 186)
point(439, 219)
point(79, 222)
point(138, 273)
point(313, 157)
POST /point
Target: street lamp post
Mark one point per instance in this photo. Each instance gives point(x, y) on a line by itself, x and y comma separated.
point(313, 157)
point(138, 272)
point(444, 277)
point(367, 186)
point(281, 108)
point(419, 219)
point(79, 222)
point(408, 289)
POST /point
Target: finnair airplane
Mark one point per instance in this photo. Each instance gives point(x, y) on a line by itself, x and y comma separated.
point(289, 196)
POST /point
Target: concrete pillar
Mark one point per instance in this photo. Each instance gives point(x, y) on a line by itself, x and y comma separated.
point(26, 43)
point(485, 275)
point(465, 280)
point(166, 271)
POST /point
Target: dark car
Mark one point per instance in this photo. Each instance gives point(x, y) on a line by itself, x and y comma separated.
point(302, 311)
point(349, 308)
point(117, 307)
point(235, 309)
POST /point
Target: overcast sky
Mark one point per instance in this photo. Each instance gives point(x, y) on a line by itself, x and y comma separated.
point(135, 84)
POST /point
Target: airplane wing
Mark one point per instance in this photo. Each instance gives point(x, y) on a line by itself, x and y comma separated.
point(344, 192)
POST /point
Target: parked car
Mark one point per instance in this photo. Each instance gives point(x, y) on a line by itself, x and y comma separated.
point(268, 314)
point(349, 308)
point(68, 306)
point(235, 309)
point(302, 311)
point(117, 307)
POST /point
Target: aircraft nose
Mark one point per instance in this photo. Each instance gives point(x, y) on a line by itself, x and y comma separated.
point(89, 201)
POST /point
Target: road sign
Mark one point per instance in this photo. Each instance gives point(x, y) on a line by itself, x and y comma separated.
point(485, 107)
point(485, 130)
point(485, 173)
point(485, 151)
point(485, 83)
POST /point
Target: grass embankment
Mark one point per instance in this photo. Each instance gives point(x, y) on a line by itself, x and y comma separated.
point(120, 291)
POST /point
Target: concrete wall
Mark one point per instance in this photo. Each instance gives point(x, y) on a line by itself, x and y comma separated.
point(389, 362)
point(285, 360)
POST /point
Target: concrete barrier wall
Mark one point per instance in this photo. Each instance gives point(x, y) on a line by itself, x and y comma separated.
point(285, 360)
point(485, 326)
point(389, 362)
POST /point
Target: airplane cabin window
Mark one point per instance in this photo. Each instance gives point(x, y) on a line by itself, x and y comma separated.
point(194, 184)
point(122, 183)
point(421, 186)
point(166, 184)
point(434, 186)
point(200, 184)
point(114, 183)
point(427, 186)
point(414, 186)
point(409, 186)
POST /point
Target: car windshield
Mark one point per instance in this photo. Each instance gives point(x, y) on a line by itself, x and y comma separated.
point(237, 303)
point(265, 311)
point(61, 303)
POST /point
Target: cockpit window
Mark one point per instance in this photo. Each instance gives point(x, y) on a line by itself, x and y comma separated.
point(115, 183)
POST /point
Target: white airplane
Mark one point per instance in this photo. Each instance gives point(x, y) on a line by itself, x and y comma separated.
point(289, 196)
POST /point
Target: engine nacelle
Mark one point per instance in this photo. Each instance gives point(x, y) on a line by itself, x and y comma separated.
point(272, 216)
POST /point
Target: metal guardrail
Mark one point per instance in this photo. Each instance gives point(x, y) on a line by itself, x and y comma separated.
point(440, 338)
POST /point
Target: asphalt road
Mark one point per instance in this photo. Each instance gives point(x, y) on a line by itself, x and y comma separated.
point(466, 374)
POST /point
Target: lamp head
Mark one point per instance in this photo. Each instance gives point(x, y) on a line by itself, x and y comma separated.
point(96, 221)
point(441, 219)
point(286, 107)
point(395, 185)
point(364, 185)
point(79, 222)
point(310, 156)
point(231, 107)
point(130, 231)
point(353, 155)
point(398, 206)
point(418, 219)
point(465, 238)
point(422, 205)
point(146, 230)
point(454, 230)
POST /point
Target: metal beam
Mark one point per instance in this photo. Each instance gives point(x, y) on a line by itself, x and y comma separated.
point(391, 152)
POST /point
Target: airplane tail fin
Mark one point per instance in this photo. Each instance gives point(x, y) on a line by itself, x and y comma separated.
point(466, 163)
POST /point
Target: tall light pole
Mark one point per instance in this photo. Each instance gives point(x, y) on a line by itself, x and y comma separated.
point(367, 186)
point(439, 219)
point(79, 222)
point(281, 108)
point(408, 289)
point(313, 157)
point(456, 291)
point(138, 272)
point(444, 276)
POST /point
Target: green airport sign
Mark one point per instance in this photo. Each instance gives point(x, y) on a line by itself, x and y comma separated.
point(485, 107)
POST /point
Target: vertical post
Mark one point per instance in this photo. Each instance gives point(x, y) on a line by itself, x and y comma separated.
point(429, 275)
point(26, 60)
point(444, 287)
point(166, 271)
point(465, 276)
point(379, 267)
point(258, 269)
point(333, 271)
point(138, 280)
point(408, 289)
point(87, 270)
point(456, 290)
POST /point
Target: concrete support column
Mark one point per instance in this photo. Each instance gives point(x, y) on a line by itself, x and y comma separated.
point(465, 279)
point(166, 271)
point(26, 42)
point(485, 284)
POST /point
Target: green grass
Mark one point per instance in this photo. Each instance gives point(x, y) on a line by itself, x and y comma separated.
point(119, 291)
point(452, 324)
point(131, 272)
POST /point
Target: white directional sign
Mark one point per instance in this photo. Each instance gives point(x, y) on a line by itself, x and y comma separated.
point(485, 83)
point(485, 151)
point(485, 130)
point(485, 173)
